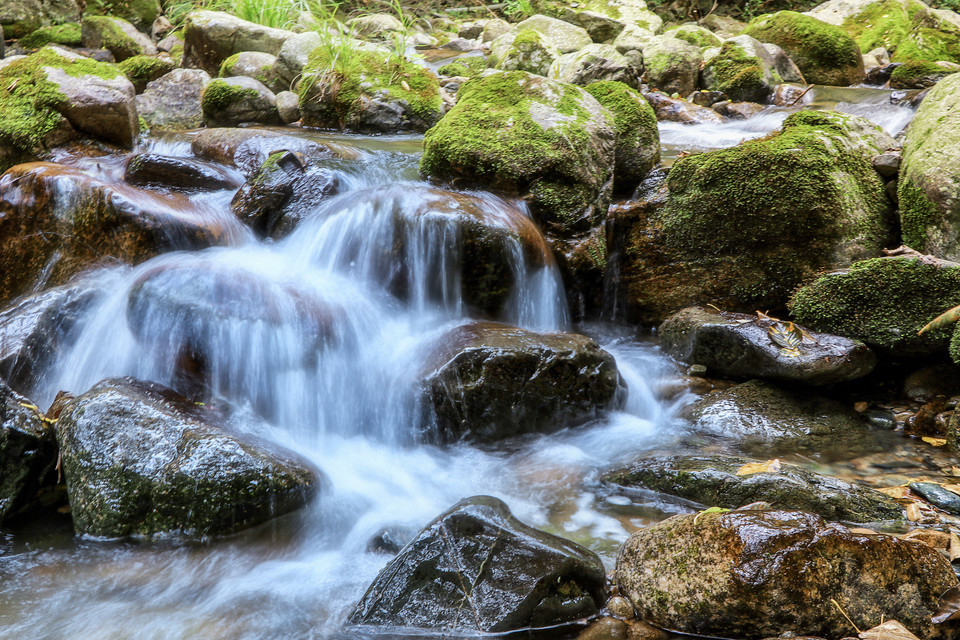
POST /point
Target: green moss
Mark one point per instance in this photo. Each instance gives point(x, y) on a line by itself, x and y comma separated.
point(219, 95)
point(112, 36)
point(916, 213)
point(930, 39)
point(825, 53)
point(65, 34)
point(695, 35)
point(143, 69)
point(883, 302)
point(468, 66)
point(738, 75)
point(141, 13)
point(227, 66)
point(918, 74)
point(954, 351)
point(882, 24)
point(638, 139)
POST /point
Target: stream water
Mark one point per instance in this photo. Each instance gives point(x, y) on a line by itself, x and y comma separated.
point(340, 393)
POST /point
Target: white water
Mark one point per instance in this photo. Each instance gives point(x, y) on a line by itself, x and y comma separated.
point(305, 340)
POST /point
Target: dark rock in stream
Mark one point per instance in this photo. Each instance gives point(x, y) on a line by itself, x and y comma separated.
point(757, 574)
point(248, 149)
point(153, 169)
point(937, 496)
point(713, 481)
point(139, 459)
point(28, 454)
point(476, 568)
point(488, 381)
point(739, 345)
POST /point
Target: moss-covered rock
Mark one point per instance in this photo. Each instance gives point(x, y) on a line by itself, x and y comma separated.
point(671, 65)
point(232, 101)
point(825, 53)
point(140, 459)
point(696, 35)
point(210, 37)
point(564, 36)
point(117, 36)
point(742, 68)
point(756, 574)
point(140, 13)
point(593, 63)
point(638, 138)
point(487, 381)
point(526, 50)
point(66, 34)
point(143, 69)
point(291, 59)
point(252, 64)
point(742, 227)
point(883, 302)
point(713, 481)
point(172, 101)
point(368, 91)
point(466, 66)
point(919, 74)
point(628, 12)
point(19, 18)
point(248, 148)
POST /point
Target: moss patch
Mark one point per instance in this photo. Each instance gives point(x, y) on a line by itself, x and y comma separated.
point(638, 139)
point(219, 95)
point(66, 34)
point(468, 67)
point(918, 74)
point(738, 75)
point(141, 13)
point(143, 69)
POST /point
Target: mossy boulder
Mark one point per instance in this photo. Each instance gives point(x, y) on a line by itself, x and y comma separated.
point(548, 142)
point(252, 64)
point(638, 138)
point(883, 302)
point(628, 12)
point(117, 36)
point(742, 68)
point(696, 35)
point(713, 481)
point(564, 36)
point(172, 101)
point(909, 29)
point(756, 574)
point(929, 182)
point(919, 74)
point(671, 65)
point(486, 382)
point(466, 66)
point(593, 63)
point(140, 13)
point(210, 37)
point(526, 50)
point(66, 34)
point(19, 18)
point(141, 70)
point(139, 459)
point(233, 101)
point(742, 227)
point(368, 91)
point(825, 53)
point(477, 569)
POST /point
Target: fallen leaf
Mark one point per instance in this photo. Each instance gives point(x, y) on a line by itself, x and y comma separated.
point(952, 487)
point(948, 606)
point(889, 630)
point(954, 550)
point(709, 510)
point(937, 442)
point(406, 87)
point(946, 318)
point(770, 466)
point(913, 512)
point(861, 406)
point(788, 337)
point(896, 492)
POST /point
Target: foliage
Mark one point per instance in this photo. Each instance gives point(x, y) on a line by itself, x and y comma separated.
point(518, 9)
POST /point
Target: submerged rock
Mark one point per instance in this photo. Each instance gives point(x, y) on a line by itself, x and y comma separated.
point(476, 568)
point(713, 481)
point(489, 381)
point(156, 170)
point(757, 574)
point(139, 459)
point(739, 345)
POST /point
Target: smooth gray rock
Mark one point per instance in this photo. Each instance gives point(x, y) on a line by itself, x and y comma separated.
point(172, 102)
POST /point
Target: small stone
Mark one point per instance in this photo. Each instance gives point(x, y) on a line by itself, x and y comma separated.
point(697, 370)
point(887, 164)
point(620, 607)
point(861, 406)
point(288, 106)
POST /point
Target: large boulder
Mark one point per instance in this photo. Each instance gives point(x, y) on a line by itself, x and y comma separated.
point(757, 574)
point(825, 53)
point(593, 63)
point(910, 29)
point(28, 454)
point(547, 142)
point(638, 138)
point(487, 381)
point(884, 302)
point(696, 35)
point(477, 569)
point(564, 36)
point(118, 36)
point(740, 345)
point(291, 59)
point(742, 227)
point(742, 68)
point(671, 65)
point(526, 50)
point(722, 481)
point(139, 459)
point(368, 91)
point(929, 182)
point(19, 18)
point(631, 13)
point(172, 102)
point(232, 101)
point(56, 221)
point(210, 37)
point(140, 13)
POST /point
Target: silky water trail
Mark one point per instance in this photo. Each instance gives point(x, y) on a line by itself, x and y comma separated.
point(304, 341)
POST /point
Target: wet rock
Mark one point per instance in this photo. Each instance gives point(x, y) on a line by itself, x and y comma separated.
point(526, 50)
point(156, 170)
point(742, 68)
point(756, 574)
point(677, 110)
point(924, 385)
point(638, 138)
point(707, 98)
point(712, 481)
point(172, 102)
point(248, 149)
point(594, 63)
point(825, 53)
point(56, 221)
point(487, 381)
point(28, 455)
point(738, 110)
point(139, 459)
point(117, 36)
point(880, 76)
point(739, 345)
point(210, 37)
point(281, 193)
point(671, 65)
point(232, 101)
point(476, 568)
point(564, 36)
point(883, 302)
point(937, 496)
point(730, 230)
point(141, 70)
point(758, 413)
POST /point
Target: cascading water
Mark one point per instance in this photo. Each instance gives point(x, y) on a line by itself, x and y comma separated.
point(317, 342)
